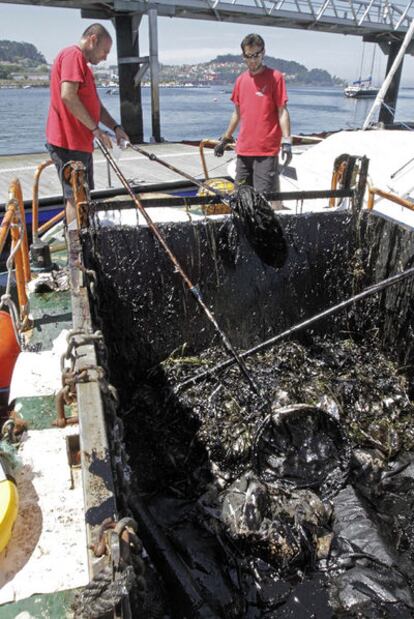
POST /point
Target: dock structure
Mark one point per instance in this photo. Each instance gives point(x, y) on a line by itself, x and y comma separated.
point(377, 21)
point(139, 170)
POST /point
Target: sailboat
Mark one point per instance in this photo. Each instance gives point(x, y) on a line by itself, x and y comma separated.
point(362, 88)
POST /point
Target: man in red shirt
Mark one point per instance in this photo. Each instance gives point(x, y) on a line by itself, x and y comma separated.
point(260, 99)
point(75, 109)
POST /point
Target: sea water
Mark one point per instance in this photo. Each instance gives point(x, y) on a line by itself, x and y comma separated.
point(189, 113)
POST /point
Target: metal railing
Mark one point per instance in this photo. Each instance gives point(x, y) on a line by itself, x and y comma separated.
point(374, 191)
point(36, 229)
point(347, 16)
point(14, 223)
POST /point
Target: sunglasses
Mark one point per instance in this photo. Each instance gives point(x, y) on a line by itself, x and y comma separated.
point(255, 55)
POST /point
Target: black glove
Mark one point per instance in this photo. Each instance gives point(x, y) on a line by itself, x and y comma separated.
point(221, 146)
point(286, 153)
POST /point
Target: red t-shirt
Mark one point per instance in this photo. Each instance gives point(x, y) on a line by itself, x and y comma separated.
point(62, 128)
point(258, 98)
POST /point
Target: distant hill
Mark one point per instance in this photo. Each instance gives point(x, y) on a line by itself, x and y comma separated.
point(25, 58)
point(25, 53)
point(225, 68)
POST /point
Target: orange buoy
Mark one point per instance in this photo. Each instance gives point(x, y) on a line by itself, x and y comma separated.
point(9, 349)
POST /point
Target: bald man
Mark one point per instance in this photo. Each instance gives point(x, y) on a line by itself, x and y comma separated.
point(76, 110)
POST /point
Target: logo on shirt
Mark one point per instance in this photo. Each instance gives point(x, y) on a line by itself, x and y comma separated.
point(261, 92)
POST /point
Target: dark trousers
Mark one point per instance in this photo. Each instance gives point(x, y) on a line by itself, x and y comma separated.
point(258, 172)
point(61, 156)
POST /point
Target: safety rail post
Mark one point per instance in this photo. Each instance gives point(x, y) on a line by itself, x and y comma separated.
point(75, 173)
point(374, 191)
point(208, 142)
point(19, 268)
point(371, 194)
point(6, 223)
point(35, 199)
point(50, 222)
point(337, 176)
point(202, 144)
point(15, 193)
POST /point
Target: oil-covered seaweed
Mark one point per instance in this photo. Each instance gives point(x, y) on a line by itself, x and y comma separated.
point(295, 502)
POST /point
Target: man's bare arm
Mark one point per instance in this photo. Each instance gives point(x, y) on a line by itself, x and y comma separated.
point(234, 122)
point(284, 121)
point(70, 97)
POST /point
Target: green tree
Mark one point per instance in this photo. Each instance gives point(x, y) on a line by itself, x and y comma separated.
point(14, 51)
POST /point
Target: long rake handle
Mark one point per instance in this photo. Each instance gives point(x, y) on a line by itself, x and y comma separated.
point(193, 289)
point(386, 283)
point(171, 167)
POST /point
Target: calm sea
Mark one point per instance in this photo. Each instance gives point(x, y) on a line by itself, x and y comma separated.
point(188, 113)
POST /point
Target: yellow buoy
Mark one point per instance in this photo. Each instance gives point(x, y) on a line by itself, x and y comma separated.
point(9, 504)
point(221, 184)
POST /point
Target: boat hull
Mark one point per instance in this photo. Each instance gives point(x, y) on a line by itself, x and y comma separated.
point(355, 92)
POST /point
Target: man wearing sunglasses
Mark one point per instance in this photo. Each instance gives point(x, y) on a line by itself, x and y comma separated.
point(260, 100)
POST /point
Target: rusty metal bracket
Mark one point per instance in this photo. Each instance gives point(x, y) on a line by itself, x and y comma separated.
point(74, 173)
point(75, 339)
point(117, 539)
point(71, 376)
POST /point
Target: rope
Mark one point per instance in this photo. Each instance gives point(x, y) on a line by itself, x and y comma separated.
point(103, 593)
point(392, 110)
point(6, 299)
point(217, 166)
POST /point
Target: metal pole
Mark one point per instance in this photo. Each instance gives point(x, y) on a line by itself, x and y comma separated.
point(193, 289)
point(108, 174)
point(387, 111)
point(155, 75)
point(127, 39)
point(386, 283)
point(381, 94)
point(171, 167)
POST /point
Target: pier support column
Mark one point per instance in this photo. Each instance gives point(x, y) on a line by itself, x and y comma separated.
point(387, 111)
point(127, 40)
point(155, 75)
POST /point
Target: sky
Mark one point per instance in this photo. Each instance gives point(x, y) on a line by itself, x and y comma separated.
point(191, 41)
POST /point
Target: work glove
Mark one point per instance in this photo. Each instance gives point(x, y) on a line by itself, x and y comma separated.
point(286, 152)
point(221, 146)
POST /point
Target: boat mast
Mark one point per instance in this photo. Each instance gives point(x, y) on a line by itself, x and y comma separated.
point(371, 74)
point(362, 63)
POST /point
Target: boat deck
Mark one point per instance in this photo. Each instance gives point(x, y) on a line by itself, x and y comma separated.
point(50, 527)
point(137, 168)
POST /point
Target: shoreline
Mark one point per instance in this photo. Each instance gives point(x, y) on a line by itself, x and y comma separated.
point(30, 85)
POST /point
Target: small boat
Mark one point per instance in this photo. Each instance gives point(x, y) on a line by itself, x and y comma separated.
point(363, 88)
point(360, 91)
